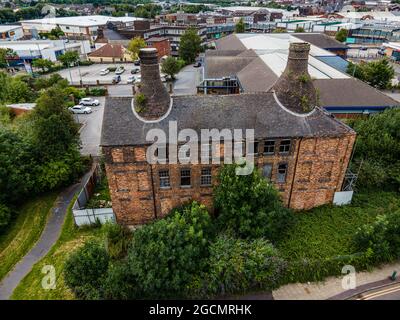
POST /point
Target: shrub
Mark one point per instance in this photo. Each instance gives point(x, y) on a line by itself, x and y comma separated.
point(250, 205)
point(85, 269)
point(96, 92)
point(120, 283)
point(237, 265)
point(166, 254)
point(86, 63)
point(5, 217)
point(118, 239)
point(382, 238)
point(140, 102)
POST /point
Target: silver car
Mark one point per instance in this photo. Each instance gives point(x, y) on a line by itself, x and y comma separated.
point(80, 109)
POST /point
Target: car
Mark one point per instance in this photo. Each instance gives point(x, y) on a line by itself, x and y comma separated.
point(116, 79)
point(131, 79)
point(363, 48)
point(89, 102)
point(136, 62)
point(135, 71)
point(120, 70)
point(197, 64)
point(80, 109)
point(105, 71)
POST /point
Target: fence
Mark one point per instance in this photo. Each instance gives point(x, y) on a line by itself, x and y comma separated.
point(83, 216)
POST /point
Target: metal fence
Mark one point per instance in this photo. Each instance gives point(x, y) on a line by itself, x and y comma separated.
point(83, 216)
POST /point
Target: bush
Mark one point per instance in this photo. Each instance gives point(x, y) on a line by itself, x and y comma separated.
point(166, 254)
point(237, 266)
point(5, 217)
point(85, 270)
point(86, 63)
point(118, 239)
point(382, 238)
point(120, 283)
point(250, 205)
point(96, 92)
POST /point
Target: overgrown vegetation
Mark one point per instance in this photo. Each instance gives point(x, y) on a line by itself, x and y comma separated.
point(190, 45)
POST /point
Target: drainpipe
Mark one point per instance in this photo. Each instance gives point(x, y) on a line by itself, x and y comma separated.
point(294, 173)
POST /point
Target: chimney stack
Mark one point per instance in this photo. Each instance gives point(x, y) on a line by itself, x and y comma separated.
point(294, 88)
point(152, 100)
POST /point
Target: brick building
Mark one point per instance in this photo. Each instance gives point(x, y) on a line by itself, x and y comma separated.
point(298, 146)
point(161, 44)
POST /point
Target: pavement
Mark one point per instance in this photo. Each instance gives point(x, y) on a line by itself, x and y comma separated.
point(90, 130)
point(187, 80)
point(49, 236)
point(332, 288)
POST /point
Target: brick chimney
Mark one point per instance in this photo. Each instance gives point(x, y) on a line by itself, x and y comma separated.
point(295, 89)
point(152, 100)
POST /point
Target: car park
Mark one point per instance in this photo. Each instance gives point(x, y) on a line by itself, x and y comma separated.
point(89, 102)
point(120, 70)
point(80, 109)
point(104, 71)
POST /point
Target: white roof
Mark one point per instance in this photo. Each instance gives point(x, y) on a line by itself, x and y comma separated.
point(25, 106)
point(82, 21)
point(6, 28)
point(273, 49)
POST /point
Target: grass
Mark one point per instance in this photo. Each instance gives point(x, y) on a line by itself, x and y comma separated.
point(327, 231)
point(71, 238)
point(24, 231)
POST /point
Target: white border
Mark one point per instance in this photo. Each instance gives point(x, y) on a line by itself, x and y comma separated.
point(303, 115)
point(151, 121)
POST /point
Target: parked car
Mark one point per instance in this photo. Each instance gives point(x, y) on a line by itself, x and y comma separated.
point(136, 62)
point(116, 79)
point(105, 71)
point(80, 109)
point(135, 71)
point(89, 102)
point(197, 64)
point(120, 70)
point(131, 79)
point(363, 48)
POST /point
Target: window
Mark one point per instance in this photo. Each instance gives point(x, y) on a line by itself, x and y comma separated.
point(185, 177)
point(253, 147)
point(269, 147)
point(284, 147)
point(205, 179)
point(164, 179)
point(282, 171)
point(267, 170)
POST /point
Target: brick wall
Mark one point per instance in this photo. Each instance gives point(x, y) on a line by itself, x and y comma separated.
point(315, 170)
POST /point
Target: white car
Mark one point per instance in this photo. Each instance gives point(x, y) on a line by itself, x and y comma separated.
point(120, 70)
point(80, 109)
point(131, 79)
point(105, 71)
point(89, 102)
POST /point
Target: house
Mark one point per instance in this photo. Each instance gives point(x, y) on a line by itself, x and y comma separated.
point(254, 62)
point(161, 44)
point(300, 147)
point(110, 53)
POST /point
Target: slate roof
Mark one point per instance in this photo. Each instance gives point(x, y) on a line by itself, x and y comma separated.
point(258, 111)
point(320, 40)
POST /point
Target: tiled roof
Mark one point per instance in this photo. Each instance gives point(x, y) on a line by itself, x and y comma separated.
point(109, 50)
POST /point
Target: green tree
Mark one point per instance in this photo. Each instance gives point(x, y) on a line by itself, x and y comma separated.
point(85, 269)
point(240, 27)
point(376, 73)
point(170, 66)
point(5, 53)
point(69, 58)
point(190, 45)
point(135, 45)
point(5, 217)
point(249, 205)
point(44, 64)
point(341, 35)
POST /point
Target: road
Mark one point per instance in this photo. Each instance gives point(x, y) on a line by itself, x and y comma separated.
point(91, 129)
point(391, 292)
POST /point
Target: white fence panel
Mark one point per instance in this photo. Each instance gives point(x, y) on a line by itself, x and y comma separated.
point(91, 216)
point(342, 197)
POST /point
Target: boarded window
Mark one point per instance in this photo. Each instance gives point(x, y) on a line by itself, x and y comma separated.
point(282, 172)
point(267, 171)
point(164, 179)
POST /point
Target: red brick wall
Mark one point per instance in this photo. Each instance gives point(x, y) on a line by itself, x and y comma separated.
point(316, 168)
point(163, 47)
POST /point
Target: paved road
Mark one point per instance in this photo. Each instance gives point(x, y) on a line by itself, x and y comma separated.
point(187, 80)
point(49, 236)
point(391, 292)
point(91, 129)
